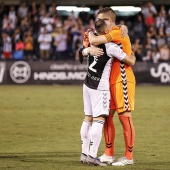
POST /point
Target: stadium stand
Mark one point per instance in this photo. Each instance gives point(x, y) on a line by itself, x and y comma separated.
point(22, 26)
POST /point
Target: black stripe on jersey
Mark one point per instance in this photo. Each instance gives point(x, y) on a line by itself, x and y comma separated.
point(124, 80)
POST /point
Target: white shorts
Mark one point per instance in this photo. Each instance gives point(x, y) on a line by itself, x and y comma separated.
point(96, 103)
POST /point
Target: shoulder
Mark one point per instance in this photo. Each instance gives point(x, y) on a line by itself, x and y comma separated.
point(115, 30)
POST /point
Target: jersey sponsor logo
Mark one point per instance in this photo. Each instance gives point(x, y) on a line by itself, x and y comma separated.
point(93, 77)
point(59, 75)
point(2, 71)
point(163, 72)
point(20, 72)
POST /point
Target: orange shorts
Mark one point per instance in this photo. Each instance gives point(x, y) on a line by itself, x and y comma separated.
point(122, 96)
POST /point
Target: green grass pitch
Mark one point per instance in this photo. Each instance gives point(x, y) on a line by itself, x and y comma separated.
point(39, 129)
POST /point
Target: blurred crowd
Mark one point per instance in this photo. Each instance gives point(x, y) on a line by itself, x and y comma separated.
point(39, 32)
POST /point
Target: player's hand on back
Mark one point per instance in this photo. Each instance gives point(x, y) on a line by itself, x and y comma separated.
point(86, 37)
point(124, 30)
point(95, 51)
point(86, 40)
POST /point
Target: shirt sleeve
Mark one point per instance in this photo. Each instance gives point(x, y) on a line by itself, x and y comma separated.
point(113, 50)
point(113, 35)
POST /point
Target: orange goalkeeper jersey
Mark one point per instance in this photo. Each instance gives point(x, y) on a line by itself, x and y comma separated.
point(120, 71)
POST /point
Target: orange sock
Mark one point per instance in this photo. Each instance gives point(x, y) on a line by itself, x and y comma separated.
point(109, 134)
point(129, 135)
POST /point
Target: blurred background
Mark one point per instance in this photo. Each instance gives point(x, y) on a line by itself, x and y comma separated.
point(40, 40)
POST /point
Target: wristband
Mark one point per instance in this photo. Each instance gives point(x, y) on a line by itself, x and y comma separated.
point(85, 52)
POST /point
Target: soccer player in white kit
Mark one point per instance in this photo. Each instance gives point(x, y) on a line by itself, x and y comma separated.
point(96, 93)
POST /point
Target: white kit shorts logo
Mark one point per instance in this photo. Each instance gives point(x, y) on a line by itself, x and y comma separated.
point(20, 72)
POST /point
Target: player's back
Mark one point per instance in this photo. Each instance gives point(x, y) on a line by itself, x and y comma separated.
point(99, 70)
point(119, 68)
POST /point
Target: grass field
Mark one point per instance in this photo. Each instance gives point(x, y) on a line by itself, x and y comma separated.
point(39, 129)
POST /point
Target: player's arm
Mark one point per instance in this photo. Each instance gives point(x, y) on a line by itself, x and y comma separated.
point(102, 39)
point(114, 50)
point(94, 51)
point(129, 60)
point(97, 40)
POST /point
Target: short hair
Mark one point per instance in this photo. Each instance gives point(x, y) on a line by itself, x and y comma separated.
point(100, 26)
point(109, 11)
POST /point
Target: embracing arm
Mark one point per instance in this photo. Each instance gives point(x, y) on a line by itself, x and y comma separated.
point(114, 50)
point(129, 60)
point(97, 40)
point(94, 51)
point(101, 39)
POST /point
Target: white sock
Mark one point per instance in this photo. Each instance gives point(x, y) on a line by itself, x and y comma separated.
point(95, 137)
point(85, 136)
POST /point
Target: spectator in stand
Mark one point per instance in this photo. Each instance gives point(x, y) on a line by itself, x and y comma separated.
point(148, 56)
point(160, 21)
point(61, 44)
point(5, 22)
point(152, 32)
point(97, 10)
point(52, 9)
point(137, 45)
point(91, 24)
point(12, 16)
point(84, 16)
point(145, 10)
point(33, 9)
point(155, 55)
point(150, 43)
point(3, 9)
point(152, 8)
point(150, 20)
point(44, 40)
point(22, 11)
point(72, 16)
point(48, 21)
point(152, 35)
point(7, 46)
point(9, 29)
point(167, 32)
point(165, 53)
point(161, 40)
point(139, 55)
point(19, 50)
point(29, 44)
point(78, 45)
point(16, 35)
point(162, 10)
point(53, 43)
point(42, 8)
point(25, 24)
point(140, 28)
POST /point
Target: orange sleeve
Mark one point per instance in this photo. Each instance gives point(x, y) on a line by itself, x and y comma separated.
point(114, 35)
point(126, 45)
